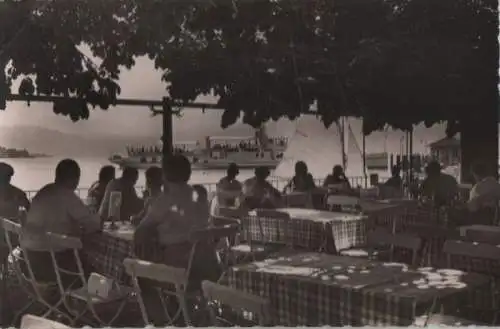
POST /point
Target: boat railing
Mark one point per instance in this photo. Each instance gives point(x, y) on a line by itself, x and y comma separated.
point(278, 183)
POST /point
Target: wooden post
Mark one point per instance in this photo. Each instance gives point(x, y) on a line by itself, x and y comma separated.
point(365, 174)
point(167, 133)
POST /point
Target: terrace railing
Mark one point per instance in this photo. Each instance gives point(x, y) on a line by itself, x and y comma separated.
point(277, 182)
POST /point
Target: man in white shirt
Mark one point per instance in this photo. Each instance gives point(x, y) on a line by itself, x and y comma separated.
point(130, 203)
point(229, 188)
point(57, 209)
point(486, 192)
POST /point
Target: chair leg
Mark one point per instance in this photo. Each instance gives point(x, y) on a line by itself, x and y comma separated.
point(185, 311)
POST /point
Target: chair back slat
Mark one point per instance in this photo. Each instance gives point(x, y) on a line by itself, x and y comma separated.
point(220, 220)
point(237, 300)
point(342, 200)
point(11, 226)
point(214, 233)
point(59, 241)
point(488, 237)
point(298, 199)
point(153, 271)
point(472, 249)
point(231, 212)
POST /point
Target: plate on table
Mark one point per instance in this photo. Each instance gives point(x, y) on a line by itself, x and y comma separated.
point(450, 272)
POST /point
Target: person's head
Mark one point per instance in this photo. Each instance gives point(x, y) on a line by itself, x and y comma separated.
point(178, 169)
point(106, 174)
point(395, 170)
point(433, 169)
point(233, 170)
point(338, 171)
point(68, 174)
point(480, 171)
point(130, 175)
point(300, 168)
point(261, 173)
point(154, 177)
point(6, 173)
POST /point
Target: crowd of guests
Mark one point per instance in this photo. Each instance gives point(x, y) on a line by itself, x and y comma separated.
point(171, 208)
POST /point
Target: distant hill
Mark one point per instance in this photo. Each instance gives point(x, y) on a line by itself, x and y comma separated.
point(50, 141)
point(54, 142)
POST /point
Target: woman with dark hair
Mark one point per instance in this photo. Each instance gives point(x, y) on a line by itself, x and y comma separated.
point(302, 181)
point(98, 189)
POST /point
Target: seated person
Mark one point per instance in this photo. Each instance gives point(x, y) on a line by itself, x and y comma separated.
point(130, 203)
point(98, 189)
point(12, 199)
point(338, 179)
point(395, 181)
point(485, 195)
point(302, 181)
point(57, 209)
point(229, 188)
point(440, 187)
point(393, 187)
point(173, 216)
point(259, 193)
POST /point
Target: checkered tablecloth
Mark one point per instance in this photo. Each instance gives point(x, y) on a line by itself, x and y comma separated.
point(310, 229)
point(319, 289)
point(106, 251)
point(318, 230)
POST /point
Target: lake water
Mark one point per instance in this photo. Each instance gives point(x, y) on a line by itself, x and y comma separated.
point(32, 174)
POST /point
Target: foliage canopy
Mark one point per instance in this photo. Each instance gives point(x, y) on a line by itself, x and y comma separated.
point(396, 62)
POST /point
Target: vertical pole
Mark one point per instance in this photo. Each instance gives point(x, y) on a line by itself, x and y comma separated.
point(411, 154)
point(364, 158)
point(167, 134)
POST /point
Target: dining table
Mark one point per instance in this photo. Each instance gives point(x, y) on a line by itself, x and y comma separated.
point(105, 251)
point(319, 289)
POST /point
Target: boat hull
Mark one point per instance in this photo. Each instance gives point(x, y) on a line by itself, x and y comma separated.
point(215, 165)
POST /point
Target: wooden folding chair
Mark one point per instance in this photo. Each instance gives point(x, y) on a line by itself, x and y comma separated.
point(251, 248)
point(178, 277)
point(433, 237)
point(379, 238)
point(231, 212)
point(345, 203)
point(468, 251)
point(30, 321)
point(217, 295)
point(489, 237)
point(222, 235)
point(37, 291)
point(298, 200)
point(78, 292)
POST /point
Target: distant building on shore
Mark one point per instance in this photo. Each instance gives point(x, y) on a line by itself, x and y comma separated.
point(446, 151)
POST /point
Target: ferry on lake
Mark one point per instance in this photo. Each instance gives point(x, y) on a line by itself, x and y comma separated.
point(216, 153)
